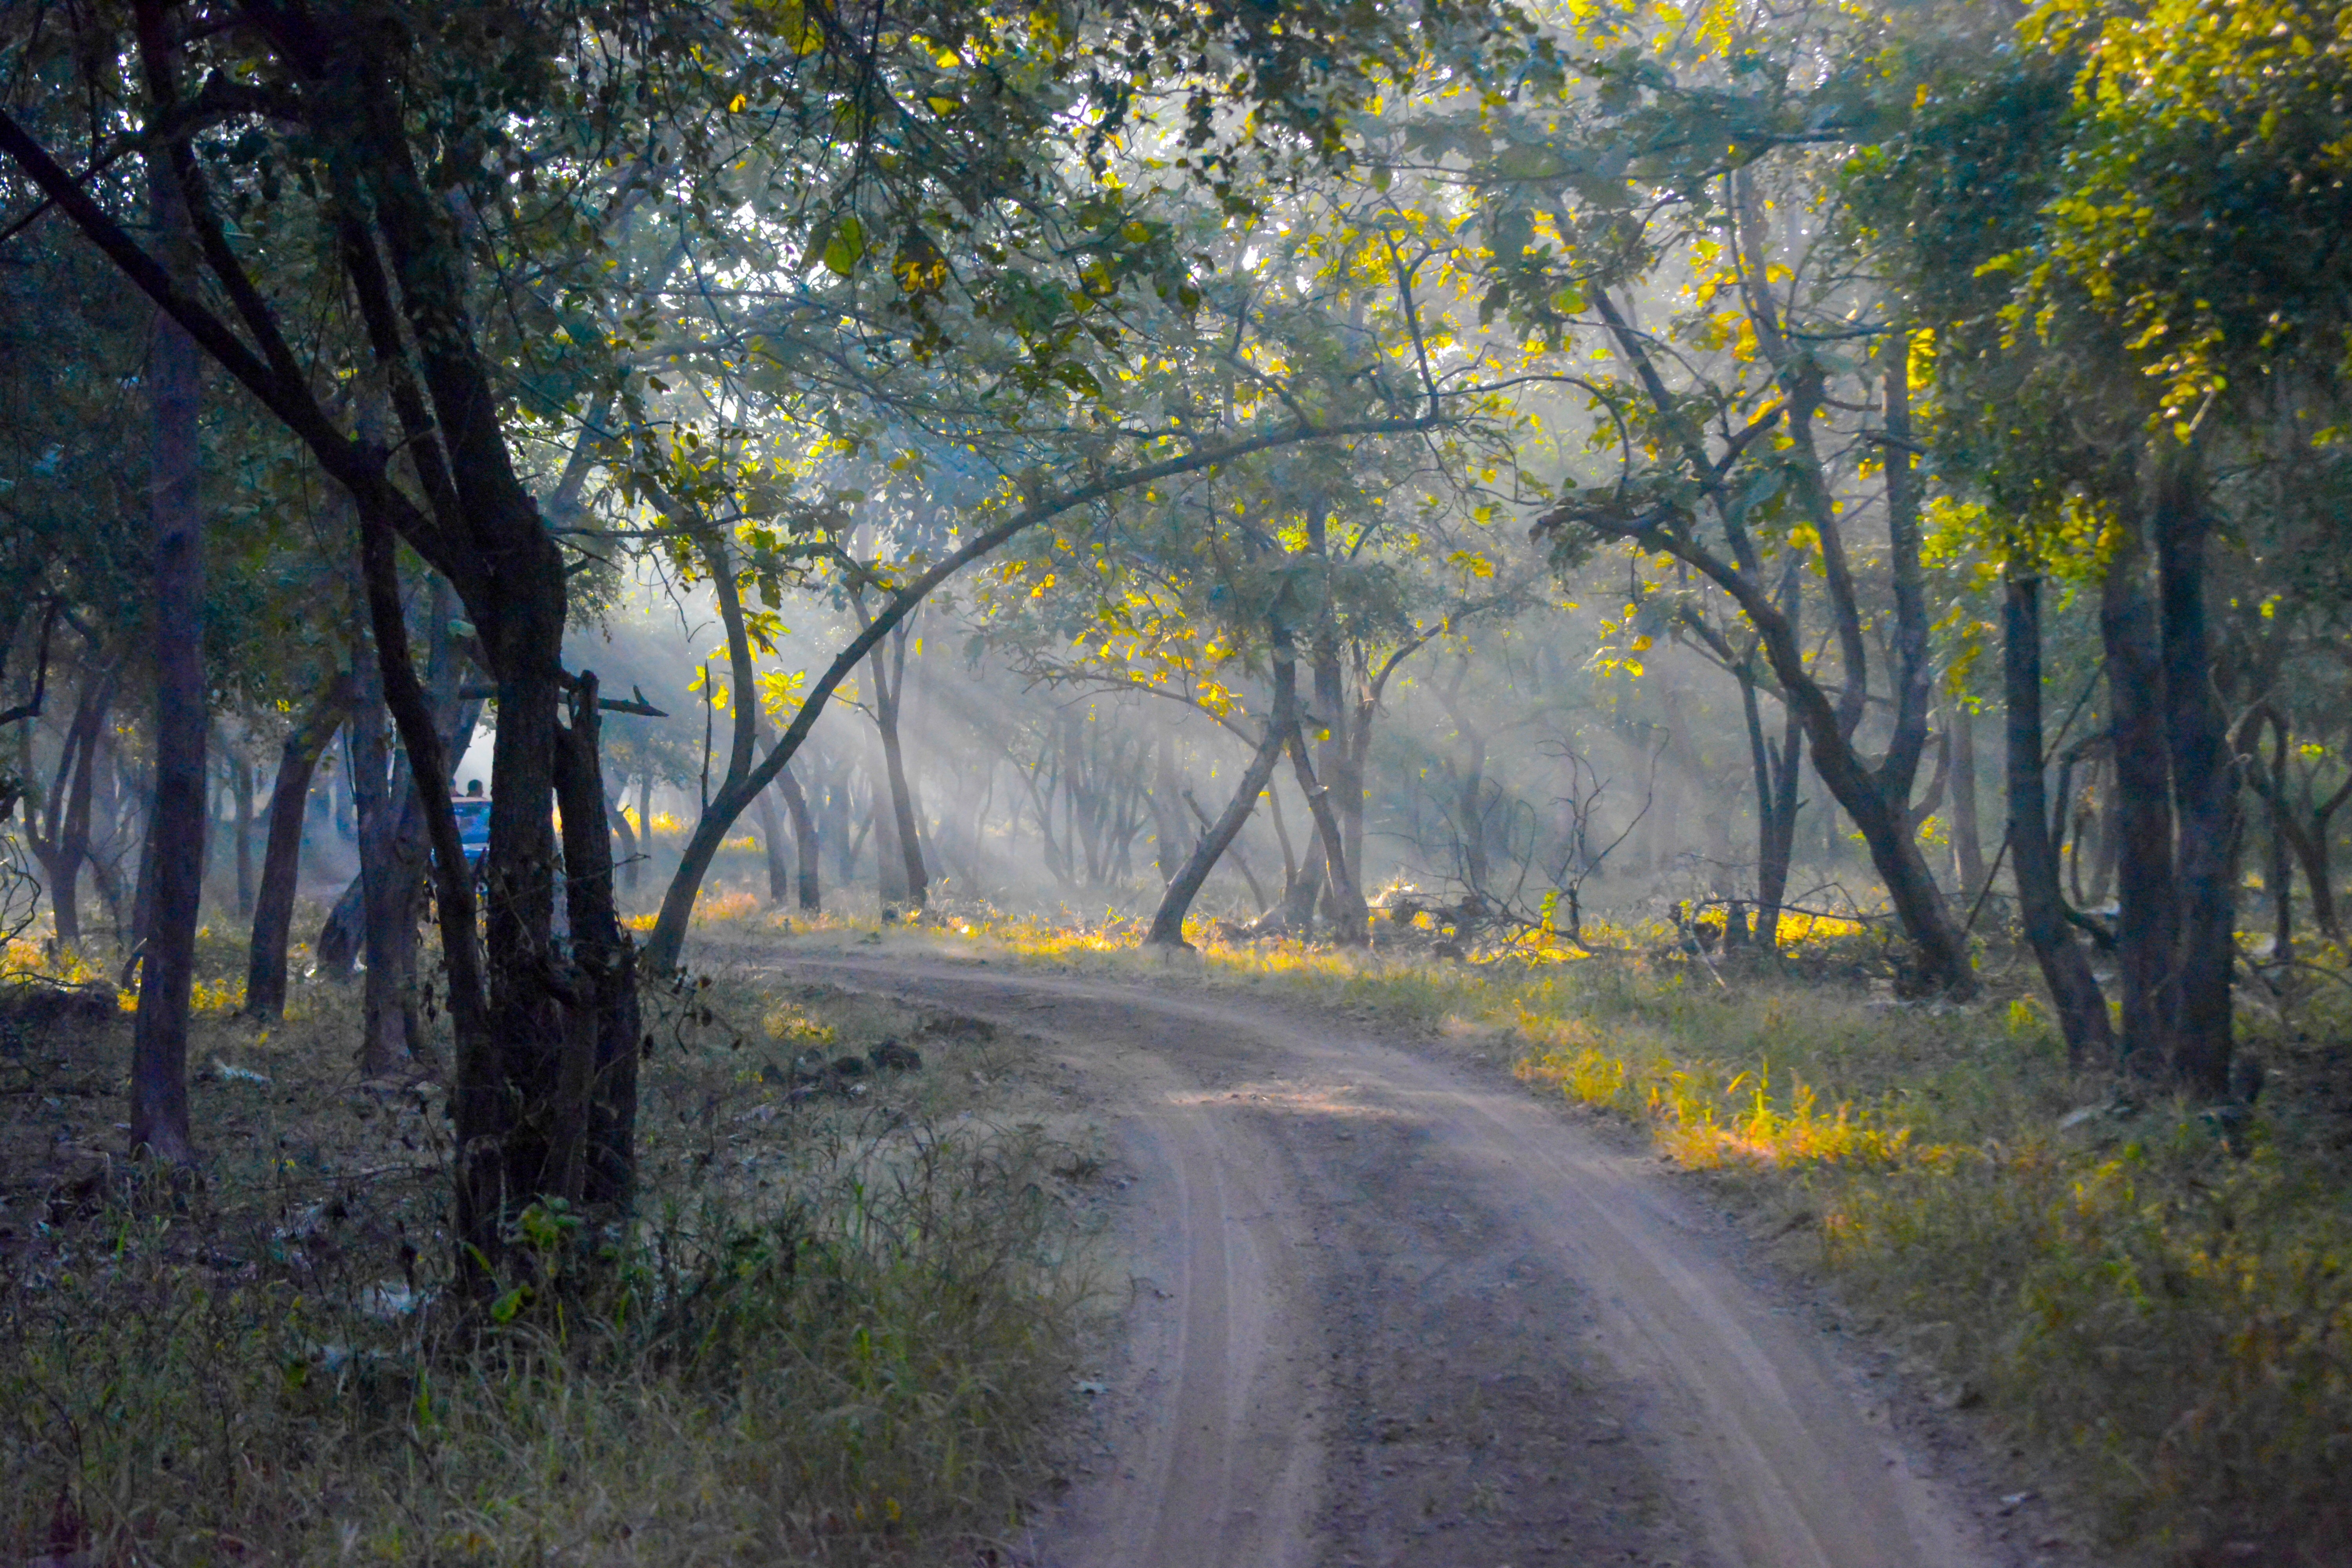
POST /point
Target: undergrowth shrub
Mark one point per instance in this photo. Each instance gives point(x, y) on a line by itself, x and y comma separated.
point(835, 1332)
point(848, 1378)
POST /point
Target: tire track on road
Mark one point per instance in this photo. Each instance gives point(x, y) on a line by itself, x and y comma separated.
point(1376, 1296)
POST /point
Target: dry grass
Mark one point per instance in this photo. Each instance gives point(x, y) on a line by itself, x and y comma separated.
point(2156, 1297)
point(835, 1335)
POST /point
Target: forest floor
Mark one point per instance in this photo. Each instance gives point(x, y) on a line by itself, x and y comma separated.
point(1380, 1304)
point(835, 1334)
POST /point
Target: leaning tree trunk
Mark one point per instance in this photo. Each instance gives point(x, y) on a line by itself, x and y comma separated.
point(175, 852)
point(1875, 798)
point(281, 856)
point(2081, 1010)
point(1167, 920)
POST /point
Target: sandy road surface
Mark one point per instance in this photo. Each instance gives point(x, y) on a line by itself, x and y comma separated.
point(1384, 1313)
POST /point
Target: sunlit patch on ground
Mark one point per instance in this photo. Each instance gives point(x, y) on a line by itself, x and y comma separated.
point(1293, 1099)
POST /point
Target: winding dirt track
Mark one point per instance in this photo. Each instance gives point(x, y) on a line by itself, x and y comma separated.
point(1385, 1313)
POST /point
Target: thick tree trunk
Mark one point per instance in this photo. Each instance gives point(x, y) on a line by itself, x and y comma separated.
point(1167, 920)
point(476, 1102)
point(2147, 914)
point(2204, 786)
point(2081, 1010)
point(602, 955)
point(172, 863)
point(281, 855)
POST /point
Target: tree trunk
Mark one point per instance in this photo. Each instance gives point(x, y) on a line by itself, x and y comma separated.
point(2204, 784)
point(616, 817)
point(175, 844)
point(344, 932)
point(1968, 837)
point(1353, 922)
point(1877, 799)
point(384, 900)
point(66, 843)
point(2146, 916)
point(901, 802)
point(645, 816)
point(241, 781)
point(1333, 755)
point(1775, 772)
point(281, 855)
point(2305, 837)
point(2282, 848)
point(805, 843)
point(1167, 920)
point(2081, 1010)
point(1367, 708)
point(1306, 880)
point(1470, 783)
point(889, 860)
point(603, 956)
point(771, 846)
point(1170, 828)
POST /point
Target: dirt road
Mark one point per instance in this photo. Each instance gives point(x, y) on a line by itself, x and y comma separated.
point(1384, 1311)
